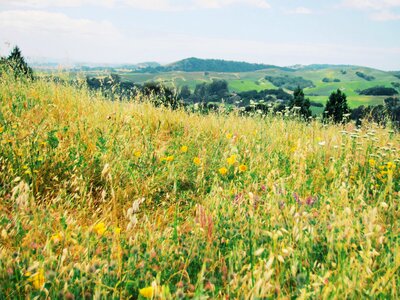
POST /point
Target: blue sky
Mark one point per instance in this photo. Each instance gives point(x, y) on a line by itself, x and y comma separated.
point(281, 32)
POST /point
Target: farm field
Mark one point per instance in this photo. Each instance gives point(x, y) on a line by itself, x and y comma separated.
point(115, 200)
point(350, 83)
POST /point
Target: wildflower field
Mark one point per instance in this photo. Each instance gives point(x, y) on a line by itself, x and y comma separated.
point(111, 200)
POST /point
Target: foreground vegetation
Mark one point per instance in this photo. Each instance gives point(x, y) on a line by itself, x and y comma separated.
point(124, 200)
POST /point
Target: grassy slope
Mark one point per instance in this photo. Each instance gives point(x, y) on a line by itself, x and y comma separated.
point(70, 170)
point(255, 81)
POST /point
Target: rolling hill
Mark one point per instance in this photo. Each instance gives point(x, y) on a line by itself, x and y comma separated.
point(210, 65)
point(324, 78)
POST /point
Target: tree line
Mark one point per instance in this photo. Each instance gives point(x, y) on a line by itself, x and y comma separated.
point(207, 96)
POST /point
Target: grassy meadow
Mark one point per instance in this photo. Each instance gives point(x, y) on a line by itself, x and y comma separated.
point(111, 200)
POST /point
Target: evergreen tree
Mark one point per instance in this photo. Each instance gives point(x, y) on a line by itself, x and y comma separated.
point(300, 103)
point(185, 93)
point(336, 108)
point(18, 64)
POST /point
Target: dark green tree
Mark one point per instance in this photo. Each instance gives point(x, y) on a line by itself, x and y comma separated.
point(336, 108)
point(300, 103)
point(18, 64)
point(185, 93)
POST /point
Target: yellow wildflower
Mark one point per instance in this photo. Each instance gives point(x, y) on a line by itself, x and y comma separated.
point(36, 279)
point(168, 158)
point(137, 153)
point(117, 230)
point(1, 129)
point(391, 165)
point(56, 238)
point(100, 228)
point(372, 162)
point(231, 160)
point(147, 292)
point(242, 168)
point(223, 171)
point(184, 149)
point(197, 161)
point(229, 136)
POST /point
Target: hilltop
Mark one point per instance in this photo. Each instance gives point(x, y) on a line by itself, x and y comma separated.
point(209, 65)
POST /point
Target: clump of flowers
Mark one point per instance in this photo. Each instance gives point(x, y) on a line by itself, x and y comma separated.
point(100, 229)
point(137, 153)
point(147, 292)
point(223, 171)
point(37, 279)
point(168, 158)
point(231, 160)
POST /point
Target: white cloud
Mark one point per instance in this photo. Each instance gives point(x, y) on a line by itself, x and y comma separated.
point(385, 16)
point(372, 4)
point(378, 10)
point(57, 3)
point(57, 23)
point(221, 3)
point(300, 11)
point(160, 5)
point(46, 33)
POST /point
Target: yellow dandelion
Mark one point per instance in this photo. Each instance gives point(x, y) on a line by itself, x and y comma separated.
point(242, 168)
point(197, 161)
point(147, 292)
point(100, 228)
point(372, 162)
point(184, 149)
point(223, 171)
point(1, 129)
point(231, 160)
point(37, 279)
point(137, 153)
point(229, 136)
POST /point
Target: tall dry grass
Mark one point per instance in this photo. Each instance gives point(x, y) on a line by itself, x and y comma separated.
point(102, 199)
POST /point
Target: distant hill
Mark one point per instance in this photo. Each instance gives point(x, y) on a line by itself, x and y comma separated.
point(210, 65)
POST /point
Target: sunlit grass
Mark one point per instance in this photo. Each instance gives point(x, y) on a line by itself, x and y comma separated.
point(123, 200)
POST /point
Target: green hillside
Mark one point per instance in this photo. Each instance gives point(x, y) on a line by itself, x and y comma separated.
point(347, 76)
point(209, 65)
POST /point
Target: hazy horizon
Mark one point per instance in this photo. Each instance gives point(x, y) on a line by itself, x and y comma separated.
point(282, 33)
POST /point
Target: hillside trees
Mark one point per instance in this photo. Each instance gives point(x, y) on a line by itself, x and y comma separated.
point(379, 91)
point(300, 104)
point(336, 108)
